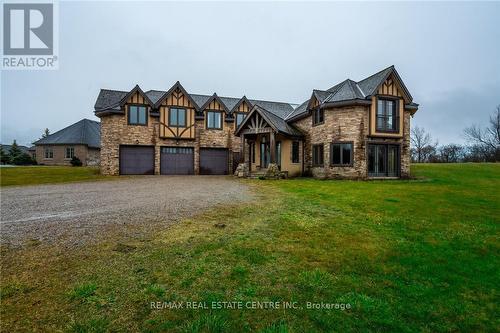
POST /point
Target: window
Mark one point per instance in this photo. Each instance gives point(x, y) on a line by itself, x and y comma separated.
point(214, 120)
point(177, 117)
point(341, 153)
point(69, 152)
point(49, 153)
point(137, 115)
point(318, 116)
point(387, 115)
point(295, 152)
point(317, 155)
point(239, 118)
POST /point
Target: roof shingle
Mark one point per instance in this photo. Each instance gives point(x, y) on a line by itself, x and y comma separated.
point(84, 132)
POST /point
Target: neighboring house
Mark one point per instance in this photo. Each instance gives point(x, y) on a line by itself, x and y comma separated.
point(6, 148)
point(352, 130)
point(32, 152)
point(82, 139)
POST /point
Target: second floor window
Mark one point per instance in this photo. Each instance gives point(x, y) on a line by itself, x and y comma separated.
point(177, 117)
point(137, 115)
point(48, 152)
point(387, 115)
point(318, 116)
point(69, 152)
point(214, 120)
point(295, 152)
point(341, 154)
point(317, 153)
point(239, 118)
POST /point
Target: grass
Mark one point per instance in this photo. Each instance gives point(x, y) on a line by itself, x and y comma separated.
point(407, 256)
point(32, 175)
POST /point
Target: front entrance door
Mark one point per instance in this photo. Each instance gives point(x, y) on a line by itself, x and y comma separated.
point(265, 154)
point(383, 160)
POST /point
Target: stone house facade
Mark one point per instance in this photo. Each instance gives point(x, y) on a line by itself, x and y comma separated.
point(354, 130)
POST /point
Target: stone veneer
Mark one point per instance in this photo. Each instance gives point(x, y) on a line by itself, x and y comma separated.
point(348, 124)
point(115, 132)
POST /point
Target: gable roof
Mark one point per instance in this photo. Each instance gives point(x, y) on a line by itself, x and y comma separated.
point(132, 92)
point(109, 99)
point(277, 123)
point(352, 92)
point(177, 85)
point(84, 132)
point(214, 97)
point(239, 102)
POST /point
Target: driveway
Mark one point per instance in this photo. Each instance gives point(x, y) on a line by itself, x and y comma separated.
point(78, 212)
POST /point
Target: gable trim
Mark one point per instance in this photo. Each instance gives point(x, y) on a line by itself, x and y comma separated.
point(171, 90)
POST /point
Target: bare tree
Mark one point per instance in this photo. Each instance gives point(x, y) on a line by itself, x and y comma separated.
point(488, 138)
point(419, 140)
point(451, 153)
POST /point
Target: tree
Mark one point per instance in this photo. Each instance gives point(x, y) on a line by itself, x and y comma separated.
point(422, 144)
point(14, 151)
point(46, 133)
point(488, 138)
point(451, 153)
point(4, 156)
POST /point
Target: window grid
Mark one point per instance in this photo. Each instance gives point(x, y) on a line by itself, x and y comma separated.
point(342, 154)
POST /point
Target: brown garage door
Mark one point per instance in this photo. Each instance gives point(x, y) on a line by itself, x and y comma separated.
point(213, 161)
point(176, 161)
point(137, 160)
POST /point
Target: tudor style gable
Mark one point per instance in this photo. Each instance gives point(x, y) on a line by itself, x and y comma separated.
point(214, 112)
point(177, 114)
point(388, 107)
point(240, 111)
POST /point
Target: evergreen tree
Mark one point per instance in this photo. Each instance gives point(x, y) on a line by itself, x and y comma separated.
point(46, 133)
point(14, 151)
point(4, 157)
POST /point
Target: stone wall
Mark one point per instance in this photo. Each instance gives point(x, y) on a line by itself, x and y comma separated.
point(348, 124)
point(341, 124)
point(115, 132)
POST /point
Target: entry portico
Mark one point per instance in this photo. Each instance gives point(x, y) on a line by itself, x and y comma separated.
point(268, 142)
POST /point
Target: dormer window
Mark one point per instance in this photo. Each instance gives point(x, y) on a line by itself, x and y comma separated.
point(137, 115)
point(214, 120)
point(177, 117)
point(387, 115)
point(318, 116)
point(239, 118)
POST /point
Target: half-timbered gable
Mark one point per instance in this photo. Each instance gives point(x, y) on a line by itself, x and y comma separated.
point(214, 112)
point(177, 114)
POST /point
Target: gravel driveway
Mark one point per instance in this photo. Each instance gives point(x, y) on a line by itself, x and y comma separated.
point(79, 212)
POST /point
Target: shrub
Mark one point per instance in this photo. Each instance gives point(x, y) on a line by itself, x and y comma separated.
point(75, 161)
point(21, 159)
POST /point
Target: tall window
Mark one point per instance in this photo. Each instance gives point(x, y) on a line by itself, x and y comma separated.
point(239, 118)
point(341, 154)
point(69, 152)
point(177, 117)
point(295, 152)
point(48, 152)
point(318, 116)
point(137, 115)
point(214, 120)
point(387, 115)
point(317, 155)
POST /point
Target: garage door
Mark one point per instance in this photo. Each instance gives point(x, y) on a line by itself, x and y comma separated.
point(213, 161)
point(176, 161)
point(137, 160)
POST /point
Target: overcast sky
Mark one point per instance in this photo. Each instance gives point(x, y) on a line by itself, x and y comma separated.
point(448, 55)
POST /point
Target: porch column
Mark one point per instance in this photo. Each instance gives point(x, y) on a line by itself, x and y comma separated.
point(243, 149)
point(272, 147)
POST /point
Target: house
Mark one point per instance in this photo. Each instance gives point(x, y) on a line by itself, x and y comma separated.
point(6, 148)
point(81, 139)
point(351, 130)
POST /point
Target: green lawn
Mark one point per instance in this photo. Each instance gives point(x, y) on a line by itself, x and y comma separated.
point(407, 256)
point(31, 175)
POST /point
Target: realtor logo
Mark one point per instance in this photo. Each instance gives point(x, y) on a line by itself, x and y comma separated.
point(29, 36)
